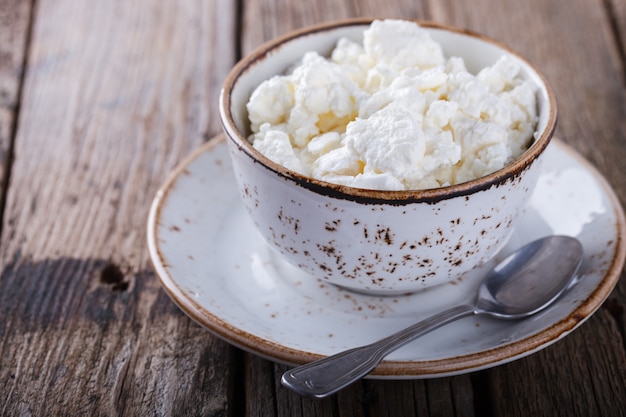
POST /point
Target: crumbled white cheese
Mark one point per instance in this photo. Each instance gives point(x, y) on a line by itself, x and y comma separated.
point(393, 113)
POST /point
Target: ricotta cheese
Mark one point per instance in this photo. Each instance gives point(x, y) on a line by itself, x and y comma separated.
point(393, 113)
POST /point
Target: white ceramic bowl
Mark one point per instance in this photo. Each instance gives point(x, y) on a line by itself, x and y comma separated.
point(382, 242)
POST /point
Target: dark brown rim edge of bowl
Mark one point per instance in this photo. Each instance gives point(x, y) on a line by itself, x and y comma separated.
point(375, 196)
point(399, 369)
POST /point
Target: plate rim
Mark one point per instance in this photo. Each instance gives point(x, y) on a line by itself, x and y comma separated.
point(388, 368)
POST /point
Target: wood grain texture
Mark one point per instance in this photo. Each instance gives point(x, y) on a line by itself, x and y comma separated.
point(576, 376)
point(616, 16)
point(111, 103)
point(15, 17)
point(372, 397)
point(266, 19)
point(14, 25)
point(575, 46)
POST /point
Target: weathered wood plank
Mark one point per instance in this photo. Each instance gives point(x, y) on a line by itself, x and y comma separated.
point(616, 13)
point(116, 94)
point(577, 376)
point(14, 27)
point(575, 47)
point(266, 19)
point(259, 396)
point(113, 101)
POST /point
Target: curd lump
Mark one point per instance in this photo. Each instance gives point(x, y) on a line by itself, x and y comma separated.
point(393, 113)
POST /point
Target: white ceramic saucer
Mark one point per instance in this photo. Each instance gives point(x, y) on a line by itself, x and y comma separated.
point(215, 266)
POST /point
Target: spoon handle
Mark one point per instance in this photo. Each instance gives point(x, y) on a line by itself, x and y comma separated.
point(328, 375)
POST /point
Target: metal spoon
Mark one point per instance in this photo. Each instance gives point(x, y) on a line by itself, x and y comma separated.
point(524, 283)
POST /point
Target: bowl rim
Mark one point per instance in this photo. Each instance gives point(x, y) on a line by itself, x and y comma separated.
point(370, 196)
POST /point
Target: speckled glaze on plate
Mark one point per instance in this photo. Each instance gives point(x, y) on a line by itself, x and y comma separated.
point(217, 269)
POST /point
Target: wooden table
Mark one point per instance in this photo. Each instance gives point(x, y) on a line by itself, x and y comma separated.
point(99, 101)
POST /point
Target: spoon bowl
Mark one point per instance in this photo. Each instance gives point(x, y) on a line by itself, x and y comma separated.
point(530, 279)
point(522, 284)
